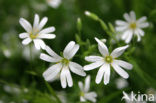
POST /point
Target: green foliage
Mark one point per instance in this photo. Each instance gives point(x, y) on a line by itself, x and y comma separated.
point(25, 73)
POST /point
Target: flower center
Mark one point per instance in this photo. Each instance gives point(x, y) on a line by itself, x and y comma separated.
point(108, 59)
point(82, 94)
point(32, 36)
point(132, 25)
point(65, 61)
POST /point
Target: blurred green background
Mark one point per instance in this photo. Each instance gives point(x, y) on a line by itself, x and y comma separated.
point(21, 78)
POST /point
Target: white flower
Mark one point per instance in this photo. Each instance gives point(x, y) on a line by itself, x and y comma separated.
point(7, 53)
point(121, 83)
point(54, 3)
point(63, 64)
point(35, 33)
point(85, 94)
point(131, 27)
point(107, 60)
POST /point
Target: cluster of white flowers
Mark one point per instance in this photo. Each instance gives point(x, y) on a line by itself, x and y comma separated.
point(63, 65)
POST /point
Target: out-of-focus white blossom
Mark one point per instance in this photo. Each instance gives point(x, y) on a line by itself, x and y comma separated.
point(36, 33)
point(121, 83)
point(131, 27)
point(54, 3)
point(85, 94)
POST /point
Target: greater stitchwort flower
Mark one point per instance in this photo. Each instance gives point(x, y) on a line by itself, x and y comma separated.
point(107, 60)
point(85, 94)
point(63, 64)
point(131, 27)
point(35, 33)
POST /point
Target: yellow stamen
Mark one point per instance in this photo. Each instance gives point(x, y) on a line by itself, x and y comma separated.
point(132, 25)
point(108, 59)
point(33, 36)
point(82, 94)
point(65, 61)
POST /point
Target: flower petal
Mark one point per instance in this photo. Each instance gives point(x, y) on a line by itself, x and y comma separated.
point(47, 36)
point(25, 24)
point(93, 58)
point(63, 78)
point(120, 23)
point(26, 41)
point(39, 44)
point(142, 19)
point(118, 51)
point(91, 96)
point(52, 53)
point(87, 84)
point(47, 30)
point(42, 23)
point(104, 69)
point(23, 35)
point(73, 51)
point(107, 75)
point(126, 34)
point(76, 68)
point(129, 38)
point(52, 72)
point(121, 28)
point(100, 73)
point(127, 17)
point(93, 65)
point(69, 78)
point(102, 47)
point(82, 99)
point(124, 64)
point(36, 21)
point(68, 48)
point(120, 71)
point(80, 86)
point(133, 16)
point(140, 32)
point(48, 58)
point(143, 25)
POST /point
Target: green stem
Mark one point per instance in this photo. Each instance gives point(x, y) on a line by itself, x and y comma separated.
point(52, 92)
point(108, 32)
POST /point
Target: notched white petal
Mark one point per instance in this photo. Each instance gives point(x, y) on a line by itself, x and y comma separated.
point(73, 51)
point(87, 83)
point(47, 36)
point(52, 72)
point(47, 30)
point(26, 41)
point(102, 47)
point(120, 71)
point(23, 35)
point(52, 53)
point(25, 24)
point(119, 51)
point(93, 58)
point(48, 58)
point(42, 23)
point(124, 64)
point(76, 68)
point(93, 65)
point(63, 78)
